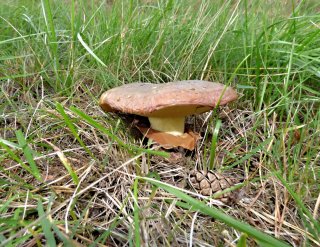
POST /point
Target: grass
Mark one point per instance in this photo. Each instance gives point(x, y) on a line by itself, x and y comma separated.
point(71, 174)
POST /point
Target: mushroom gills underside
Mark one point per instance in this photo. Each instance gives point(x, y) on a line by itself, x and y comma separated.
point(170, 125)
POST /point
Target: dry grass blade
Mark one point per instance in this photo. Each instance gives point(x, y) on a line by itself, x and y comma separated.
point(67, 164)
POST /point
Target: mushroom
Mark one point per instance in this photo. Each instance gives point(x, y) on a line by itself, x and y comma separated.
point(167, 105)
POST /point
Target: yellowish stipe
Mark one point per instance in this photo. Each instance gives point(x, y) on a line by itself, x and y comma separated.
point(170, 125)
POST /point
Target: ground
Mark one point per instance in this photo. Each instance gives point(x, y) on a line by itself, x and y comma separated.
point(73, 175)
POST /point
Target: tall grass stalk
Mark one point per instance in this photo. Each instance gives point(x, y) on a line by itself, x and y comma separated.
point(52, 42)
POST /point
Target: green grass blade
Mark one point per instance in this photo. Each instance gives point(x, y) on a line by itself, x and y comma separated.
point(10, 144)
point(214, 143)
point(28, 153)
point(65, 238)
point(10, 174)
point(50, 26)
point(90, 51)
point(72, 21)
point(136, 213)
point(243, 240)
point(52, 38)
point(5, 206)
point(15, 76)
point(46, 226)
point(72, 128)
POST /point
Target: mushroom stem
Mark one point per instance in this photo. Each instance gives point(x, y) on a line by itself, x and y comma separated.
point(170, 125)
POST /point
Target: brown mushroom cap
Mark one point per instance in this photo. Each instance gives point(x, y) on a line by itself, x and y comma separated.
point(176, 99)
